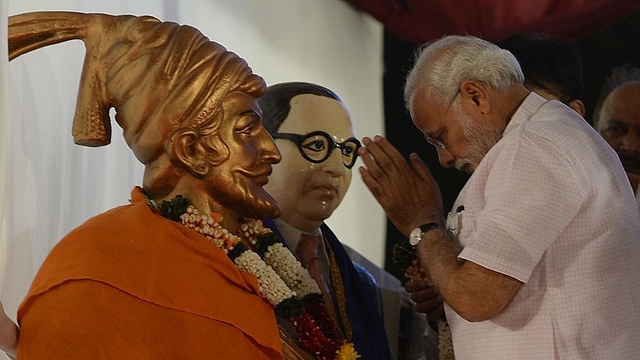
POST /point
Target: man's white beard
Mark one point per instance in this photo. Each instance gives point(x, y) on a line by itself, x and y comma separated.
point(480, 139)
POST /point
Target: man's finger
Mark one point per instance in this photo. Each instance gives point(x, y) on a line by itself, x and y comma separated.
point(421, 168)
point(371, 162)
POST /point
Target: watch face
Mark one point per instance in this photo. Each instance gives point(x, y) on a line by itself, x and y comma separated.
point(415, 237)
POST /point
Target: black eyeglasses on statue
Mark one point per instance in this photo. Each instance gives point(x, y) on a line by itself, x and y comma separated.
point(317, 146)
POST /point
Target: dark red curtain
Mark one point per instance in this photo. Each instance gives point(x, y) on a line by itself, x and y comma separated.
point(420, 21)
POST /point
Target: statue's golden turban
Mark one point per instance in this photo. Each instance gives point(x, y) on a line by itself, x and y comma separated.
point(157, 75)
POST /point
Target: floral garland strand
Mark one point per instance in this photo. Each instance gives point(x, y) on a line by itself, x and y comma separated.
point(272, 287)
point(404, 256)
point(232, 245)
point(285, 264)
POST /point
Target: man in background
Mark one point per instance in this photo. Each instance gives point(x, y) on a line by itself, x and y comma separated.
point(552, 67)
point(617, 119)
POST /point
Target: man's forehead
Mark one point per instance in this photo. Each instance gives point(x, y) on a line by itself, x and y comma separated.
point(628, 90)
point(623, 100)
point(424, 94)
point(422, 100)
point(313, 112)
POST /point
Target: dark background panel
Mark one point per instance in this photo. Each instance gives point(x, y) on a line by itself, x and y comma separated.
point(613, 47)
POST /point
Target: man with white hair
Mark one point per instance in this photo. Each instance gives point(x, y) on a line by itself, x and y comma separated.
point(538, 260)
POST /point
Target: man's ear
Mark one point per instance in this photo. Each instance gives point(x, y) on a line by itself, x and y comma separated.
point(578, 106)
point(477, 94)
point(186, 149)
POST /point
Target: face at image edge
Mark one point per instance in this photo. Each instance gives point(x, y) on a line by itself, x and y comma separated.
point(619, 125)
point(309, 192)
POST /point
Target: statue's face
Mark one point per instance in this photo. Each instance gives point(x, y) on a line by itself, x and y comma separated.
point(237, 182)
point(309, 192)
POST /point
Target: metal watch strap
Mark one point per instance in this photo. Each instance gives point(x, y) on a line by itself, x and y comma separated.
point(429, 226)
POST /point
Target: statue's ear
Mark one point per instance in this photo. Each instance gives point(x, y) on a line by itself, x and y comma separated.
point(185, 148)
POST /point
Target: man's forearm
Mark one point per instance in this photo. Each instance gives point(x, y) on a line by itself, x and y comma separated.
point(474, 292)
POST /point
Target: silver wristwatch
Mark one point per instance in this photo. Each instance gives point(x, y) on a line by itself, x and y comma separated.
point(416, 234)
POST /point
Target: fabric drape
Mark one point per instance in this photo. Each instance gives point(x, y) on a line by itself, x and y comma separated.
point(131, 283)
point(420, 21)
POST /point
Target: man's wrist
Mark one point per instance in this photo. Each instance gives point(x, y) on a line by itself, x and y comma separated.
point(416, 235)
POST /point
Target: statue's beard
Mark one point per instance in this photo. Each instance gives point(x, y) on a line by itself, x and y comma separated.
point(246, 198)
point(262, 206)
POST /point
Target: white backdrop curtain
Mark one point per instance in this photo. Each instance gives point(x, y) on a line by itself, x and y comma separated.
point(49, 185)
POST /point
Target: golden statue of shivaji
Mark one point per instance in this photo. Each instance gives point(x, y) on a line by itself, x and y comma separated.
point(187, 269)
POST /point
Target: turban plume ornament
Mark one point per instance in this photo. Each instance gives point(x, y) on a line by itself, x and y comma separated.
point(157, 75)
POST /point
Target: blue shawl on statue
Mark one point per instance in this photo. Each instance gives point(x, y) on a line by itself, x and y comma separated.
point(369, 335)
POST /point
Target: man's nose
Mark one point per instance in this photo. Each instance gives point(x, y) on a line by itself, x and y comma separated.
point(445, 158)
point(631, 142)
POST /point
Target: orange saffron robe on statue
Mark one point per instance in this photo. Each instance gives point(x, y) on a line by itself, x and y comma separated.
point(130, 284)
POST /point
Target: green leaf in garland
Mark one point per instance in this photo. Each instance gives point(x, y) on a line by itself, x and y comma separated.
point(312, 297)
point(264, 241)
point(174, 208)
point(237, 251)
point(289, 308)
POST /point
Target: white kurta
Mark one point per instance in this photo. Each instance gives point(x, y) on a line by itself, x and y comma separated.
point(551, 206)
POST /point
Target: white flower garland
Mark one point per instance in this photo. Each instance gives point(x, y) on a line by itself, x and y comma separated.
point(272, 287)
point(445, 344)
point(276, 286)
point(291, 270)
